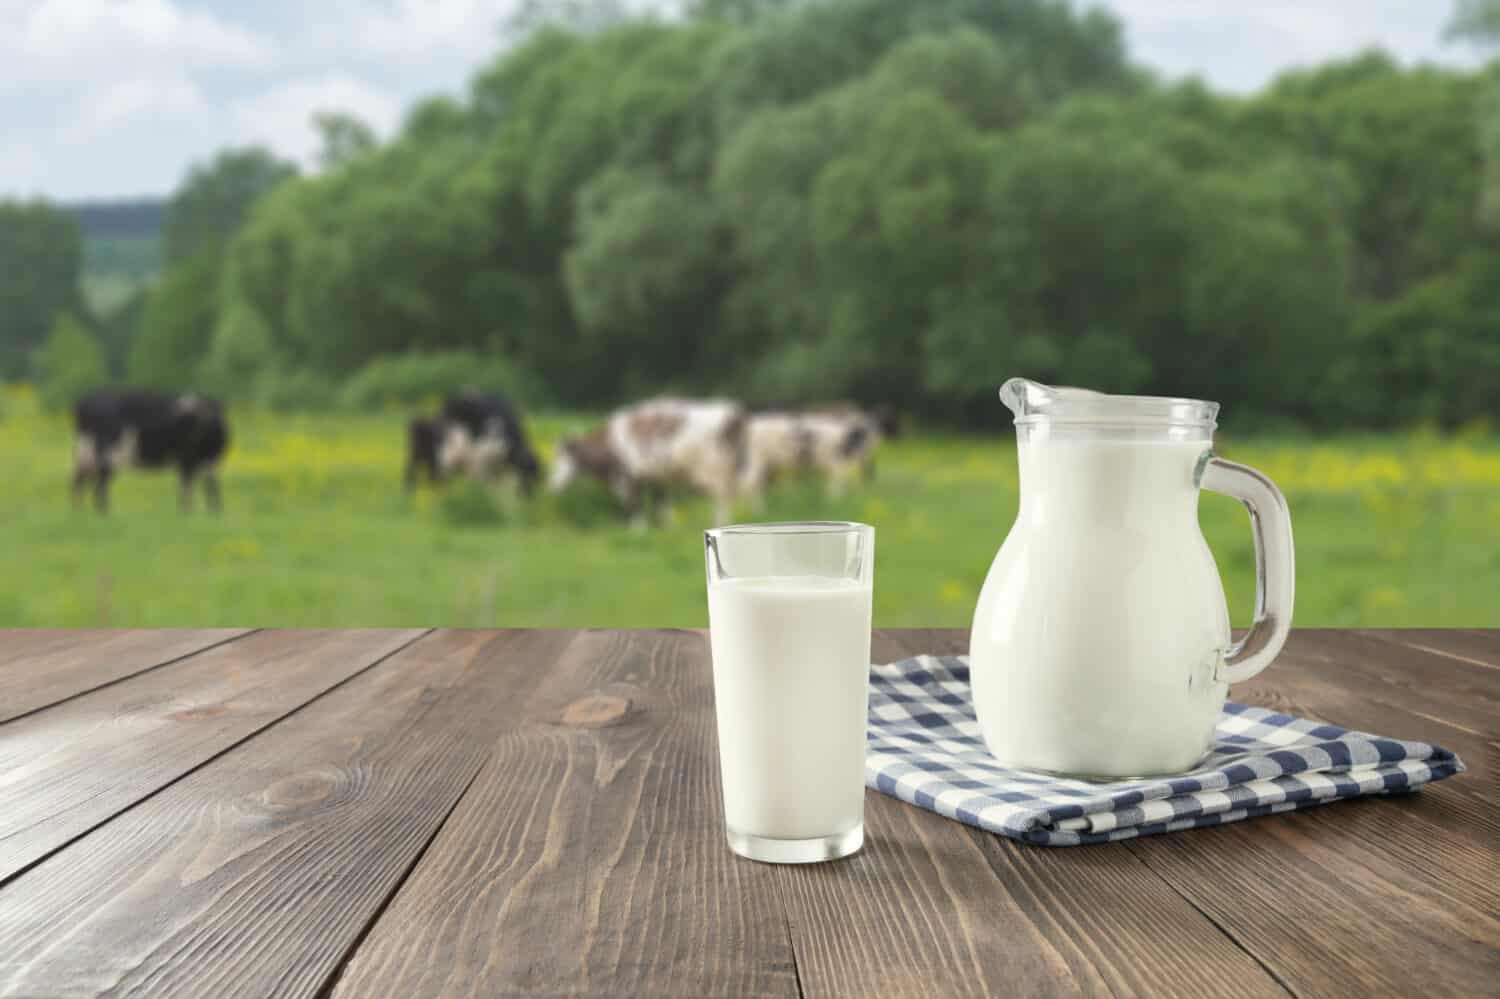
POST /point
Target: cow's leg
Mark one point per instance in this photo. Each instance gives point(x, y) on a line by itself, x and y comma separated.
point(723, 509)
point(753, 480)
point(661, 504)
point(838, 479)
point(211, 489)
point(723, 492)
point(102, 475)
point(81, 478)
point(528, 474)
point(628, 492)
point(185, 475)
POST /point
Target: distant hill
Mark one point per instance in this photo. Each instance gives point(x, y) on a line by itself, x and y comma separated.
point(129, 217)
point(122, 246)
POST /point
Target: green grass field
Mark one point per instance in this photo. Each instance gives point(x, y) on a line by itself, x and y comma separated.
point(1390, 531)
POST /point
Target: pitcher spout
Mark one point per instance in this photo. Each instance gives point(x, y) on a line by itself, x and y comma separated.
point(1035, 403)
point(1027, 398)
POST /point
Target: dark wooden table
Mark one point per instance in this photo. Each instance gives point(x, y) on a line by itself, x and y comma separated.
point(277, 813)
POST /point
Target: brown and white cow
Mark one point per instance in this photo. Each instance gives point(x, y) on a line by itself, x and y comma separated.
point(644, 450)
point(837, 442)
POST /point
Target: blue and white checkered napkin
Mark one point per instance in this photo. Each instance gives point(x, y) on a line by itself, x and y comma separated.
point(925, 748)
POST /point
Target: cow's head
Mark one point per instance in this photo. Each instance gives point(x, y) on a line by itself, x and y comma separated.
point(565, 469)
point(584, 454)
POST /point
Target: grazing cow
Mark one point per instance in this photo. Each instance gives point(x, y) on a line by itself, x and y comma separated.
point(424, 436)
point(136, 429)
point(837, 442)
point(477, 434)
point(643, 450)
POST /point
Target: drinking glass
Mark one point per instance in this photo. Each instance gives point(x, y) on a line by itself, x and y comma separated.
point(789, 629)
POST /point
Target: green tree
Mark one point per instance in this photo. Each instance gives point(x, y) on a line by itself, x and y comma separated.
point(879, 199)
point(344, 136)
point(41, 254)
point(1477, 20)
point(739, 11)
point(213, 200)
point(176, 324)
point(644, 277)
point(69, 363)
point(178, 317)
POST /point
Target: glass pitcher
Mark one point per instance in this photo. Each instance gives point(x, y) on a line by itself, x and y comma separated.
point(1101, 645)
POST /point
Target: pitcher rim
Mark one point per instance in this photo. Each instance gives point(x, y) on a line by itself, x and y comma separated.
point(1106, 409)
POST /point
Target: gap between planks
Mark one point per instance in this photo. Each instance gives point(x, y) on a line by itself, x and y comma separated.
point(7, 878)
point(343, 963)
point(1134, 849)
point(132, 675)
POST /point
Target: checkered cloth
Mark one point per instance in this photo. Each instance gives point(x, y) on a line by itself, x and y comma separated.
point(925, 748)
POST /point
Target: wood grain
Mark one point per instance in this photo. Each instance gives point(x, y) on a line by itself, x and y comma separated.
point(70, 767)
point(933, 907)
point(538, 813)
point(257, 874)
point(1329, 915)
point(1323, 688)
point(1426, 684)
point(1475, 647)
point(589, 859)
point(1390, 896)
point(39, 668)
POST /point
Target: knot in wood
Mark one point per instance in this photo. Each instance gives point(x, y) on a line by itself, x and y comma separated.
point(596, 711)
point(199, 713)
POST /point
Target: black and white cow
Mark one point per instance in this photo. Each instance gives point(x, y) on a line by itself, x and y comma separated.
point(478, 434)
point(120, 429)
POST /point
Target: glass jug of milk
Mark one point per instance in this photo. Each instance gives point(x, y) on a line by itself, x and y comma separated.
point(1101, 644)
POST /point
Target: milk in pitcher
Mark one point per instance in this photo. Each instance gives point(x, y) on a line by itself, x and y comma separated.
point(1102, 624)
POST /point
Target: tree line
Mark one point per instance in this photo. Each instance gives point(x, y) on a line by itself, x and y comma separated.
point(871, 199)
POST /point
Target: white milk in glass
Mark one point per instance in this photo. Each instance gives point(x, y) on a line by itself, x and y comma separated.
point(791, 660)
point(1102, 623)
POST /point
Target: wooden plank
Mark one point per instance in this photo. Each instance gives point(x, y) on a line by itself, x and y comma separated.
point(258, 873)
point(1356, 896)
point(1323, 687)
point(589, 856)
point(39, 668)
point(1329, 915)
point(1427, 684)
point(1284, 888)
point(932, 907)
point(1476, 647)
point(70, 767)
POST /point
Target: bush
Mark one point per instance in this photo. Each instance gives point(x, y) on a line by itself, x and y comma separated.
point(585, 503)
point(471, 504)
point(69, 363)
point(296, 390)
point(419, 379)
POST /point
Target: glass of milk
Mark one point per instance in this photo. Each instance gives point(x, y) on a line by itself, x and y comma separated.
point(789, 626)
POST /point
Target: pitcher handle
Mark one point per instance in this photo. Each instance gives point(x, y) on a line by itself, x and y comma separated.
point(1275, 569)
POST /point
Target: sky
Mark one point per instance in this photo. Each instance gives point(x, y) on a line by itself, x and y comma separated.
point(116, 98)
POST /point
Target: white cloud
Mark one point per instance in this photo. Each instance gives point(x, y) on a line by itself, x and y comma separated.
point(75, 33)
point(1241, 46)
point(114, 97)
point(282, 116)
point(408, 28)
point(169, 94)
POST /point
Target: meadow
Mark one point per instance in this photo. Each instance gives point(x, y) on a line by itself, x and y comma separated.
point(1390, 531)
